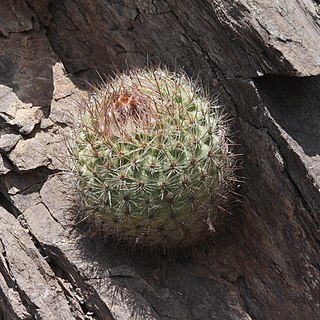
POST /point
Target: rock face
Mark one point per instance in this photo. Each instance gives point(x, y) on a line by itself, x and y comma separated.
point(262, 59)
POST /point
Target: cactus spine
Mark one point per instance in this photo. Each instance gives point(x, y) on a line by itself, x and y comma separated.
point(153, 160)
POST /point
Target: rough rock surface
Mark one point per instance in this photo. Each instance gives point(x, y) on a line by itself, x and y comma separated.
point(262, 58)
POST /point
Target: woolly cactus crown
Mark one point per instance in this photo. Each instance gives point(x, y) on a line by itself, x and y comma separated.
point(153, 160)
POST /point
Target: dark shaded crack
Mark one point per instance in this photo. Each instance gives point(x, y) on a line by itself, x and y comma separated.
point(6, 273)
point(20, 180)
point(90, 300)
point(63, 97)
point(42, 167)
point(74, 299)
point(7, 127)
point(11, 164)
point(293, 106)
point(109, 276)
point(249, 304)
point(267, 31)
point(53, 217)
point(5, 270)
point(238, 284)
point(5, 267)
point(33, 187)
point(36, 129)
point(269, 126)
point(71, 296)
point(7, 204)
point(137, 15)
point(45, 252)
point(287, 172)
point(299, 194)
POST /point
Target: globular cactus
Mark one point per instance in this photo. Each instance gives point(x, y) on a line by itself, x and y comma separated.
point(153, 160)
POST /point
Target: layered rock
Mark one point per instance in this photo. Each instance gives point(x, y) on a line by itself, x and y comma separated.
point(261, 59)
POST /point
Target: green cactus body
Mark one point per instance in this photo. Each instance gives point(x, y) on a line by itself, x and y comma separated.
point(153, 160)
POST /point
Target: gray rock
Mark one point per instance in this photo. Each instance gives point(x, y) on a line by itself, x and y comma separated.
point(31, 153)
point(66, 98)
point(13, 22)
point(8, 103)
point(15, 112)
point(4, 166)
point(26, 119)
point(27, 273)
point(46, 123)
point(8, 141)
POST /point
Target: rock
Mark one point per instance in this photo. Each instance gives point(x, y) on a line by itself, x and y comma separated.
point(44, 149)
point(63, 86)
point(46, 123)
point(25, 272)
point(38, 219)
point(265, 39)
point(8, 141)
point(24, 192)
point(61, 111)
point(26, 119)
point(26, 64)
point(13, 21)
point(15, 112)
point(31, 153)
point(257, 56)
point(4, 166)
point(8, 104)
point(50, 223)
point(66, 98)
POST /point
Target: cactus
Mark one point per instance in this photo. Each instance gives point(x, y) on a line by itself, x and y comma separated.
point(153, 160)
